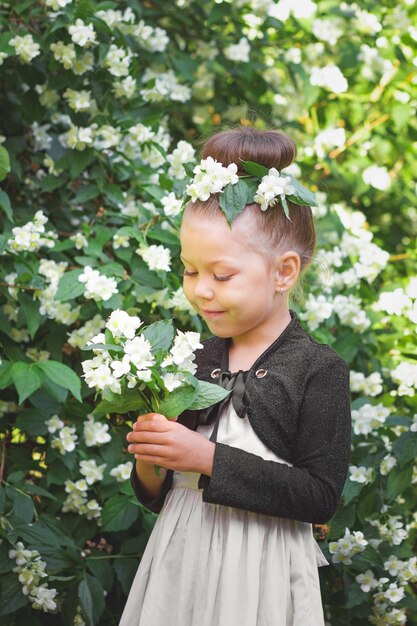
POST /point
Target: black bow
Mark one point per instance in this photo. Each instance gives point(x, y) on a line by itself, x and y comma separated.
point(236, 383)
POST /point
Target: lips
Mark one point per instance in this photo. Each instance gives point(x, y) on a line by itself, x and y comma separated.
point(212, 313)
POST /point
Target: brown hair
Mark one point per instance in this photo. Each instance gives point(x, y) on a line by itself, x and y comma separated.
point(271, 148)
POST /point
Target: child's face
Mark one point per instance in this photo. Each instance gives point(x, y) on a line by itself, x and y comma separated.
point(228, 283)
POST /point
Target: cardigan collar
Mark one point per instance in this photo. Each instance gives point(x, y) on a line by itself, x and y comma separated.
point(215, 356)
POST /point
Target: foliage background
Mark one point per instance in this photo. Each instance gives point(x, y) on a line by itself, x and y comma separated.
point(92, 134)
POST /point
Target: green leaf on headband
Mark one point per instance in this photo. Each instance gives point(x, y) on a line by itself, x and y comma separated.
point(284, 203)
point(302, 195)
point(234, 199)
point(252, 185)
point(255, 169)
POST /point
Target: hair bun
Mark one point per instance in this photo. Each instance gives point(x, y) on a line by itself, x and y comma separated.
point(270, 148)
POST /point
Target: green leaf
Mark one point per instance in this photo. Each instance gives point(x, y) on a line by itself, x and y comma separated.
point(160, 335)
point(11, 596)
point(125, 571)
point(103, 346)
point(405, 448)
point(26, 379)
point(32, 422)
point(114, 194)
point(399, 479)
point(255, 169)
point(130, 400)
point(233, 199)
point(118, 514)
point(86, 601)
point(285, 206)
point(5, 374)
point(302, 195)
point(88, 192)
point(69, 287)
point(23, 507)
point(351, 490)
point(207, 395)
point(6, 206)
point(4, 163)
point(31, 310)
point(178, 401)
point(62, 375)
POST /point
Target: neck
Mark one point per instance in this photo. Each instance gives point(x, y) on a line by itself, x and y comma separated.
point(252, 344)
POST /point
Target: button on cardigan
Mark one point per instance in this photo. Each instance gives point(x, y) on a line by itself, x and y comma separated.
point(301, 410)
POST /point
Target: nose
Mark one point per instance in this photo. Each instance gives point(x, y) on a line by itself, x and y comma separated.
point(202, 289)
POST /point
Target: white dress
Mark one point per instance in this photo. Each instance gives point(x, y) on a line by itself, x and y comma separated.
point(212, 565)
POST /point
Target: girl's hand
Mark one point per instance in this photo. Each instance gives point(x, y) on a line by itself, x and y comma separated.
point(161, 441)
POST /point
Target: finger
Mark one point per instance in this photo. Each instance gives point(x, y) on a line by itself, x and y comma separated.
point(150, 417)
point(151, 427)
point(147, 449)
point(147, 436)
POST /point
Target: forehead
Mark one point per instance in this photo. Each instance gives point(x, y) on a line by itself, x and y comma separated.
point(210, 237)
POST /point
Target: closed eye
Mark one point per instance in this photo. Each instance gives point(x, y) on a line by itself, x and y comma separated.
point(218, 278)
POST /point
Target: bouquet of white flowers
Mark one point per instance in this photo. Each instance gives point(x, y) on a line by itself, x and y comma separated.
point(147, 370)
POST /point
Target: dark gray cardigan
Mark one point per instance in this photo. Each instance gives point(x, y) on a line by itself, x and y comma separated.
point(301, 410)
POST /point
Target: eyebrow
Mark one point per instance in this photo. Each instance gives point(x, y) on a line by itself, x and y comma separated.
point(225, 261)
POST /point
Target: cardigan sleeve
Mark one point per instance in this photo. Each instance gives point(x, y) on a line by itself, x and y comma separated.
point(152, 504)
point(310, 490)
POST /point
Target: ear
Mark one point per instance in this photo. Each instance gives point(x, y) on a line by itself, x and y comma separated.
point(287, 270)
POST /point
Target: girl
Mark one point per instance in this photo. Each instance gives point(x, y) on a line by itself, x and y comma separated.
point(244, 481)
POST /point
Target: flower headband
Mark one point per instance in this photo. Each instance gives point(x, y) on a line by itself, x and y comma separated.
point(238, 191)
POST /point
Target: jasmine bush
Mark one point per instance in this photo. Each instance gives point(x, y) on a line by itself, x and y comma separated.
point(102, 108)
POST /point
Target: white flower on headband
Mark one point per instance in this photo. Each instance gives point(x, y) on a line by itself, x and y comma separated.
point(211, 177)
point(271, 186)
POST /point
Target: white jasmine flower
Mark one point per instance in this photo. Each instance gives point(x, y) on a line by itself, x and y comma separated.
point(172, 381)
point(95, 433)
point(405, 374)
point(183, 153)
point(329, 30)
point(66, 440)
point(125, 88)
point(360, 474)
point(345, 548)
point(316, 310)
point(239, 51)
point(377, 177)
point(367, 581)
point(166, 86)
point(394, 593)
point(211, 177)
point(78, 100)
point(157, 258)
point(54, 424)
point(329, 77)
point(82, 34)
point(122, 472)
point(56, 5)
point(117, 61)
point(368, 418)
point(272, 186)
point(184, 346)
point(64, 53)
point(92, 472)
point(120, 368)
point(25, 47)
point(78, 338)
point(42, 598)
point(120, 241)
point(172, 205)
point(121, 324)
point(139, 351)
point(79, 240)
point(97, 286)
